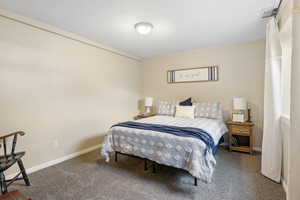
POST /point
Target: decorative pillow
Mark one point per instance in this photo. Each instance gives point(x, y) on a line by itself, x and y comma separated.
point(187, 102)
point(185, 112)
point(166, 108)
point(212, 110)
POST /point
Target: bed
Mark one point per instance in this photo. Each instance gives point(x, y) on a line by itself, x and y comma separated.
point(188, 153)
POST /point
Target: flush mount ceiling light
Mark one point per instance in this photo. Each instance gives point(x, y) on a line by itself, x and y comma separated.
point(143, 28)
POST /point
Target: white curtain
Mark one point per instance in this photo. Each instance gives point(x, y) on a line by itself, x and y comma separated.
point(272, 140)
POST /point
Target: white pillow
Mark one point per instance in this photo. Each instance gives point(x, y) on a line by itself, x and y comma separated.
point(185, 112)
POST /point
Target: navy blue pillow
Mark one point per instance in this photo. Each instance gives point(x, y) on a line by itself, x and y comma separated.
point(187, 102)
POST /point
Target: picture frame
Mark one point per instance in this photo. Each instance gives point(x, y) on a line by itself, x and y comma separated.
point(196, 74)
point(238, 117)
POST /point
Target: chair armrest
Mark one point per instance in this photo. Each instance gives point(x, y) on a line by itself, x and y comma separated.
point(21, 133)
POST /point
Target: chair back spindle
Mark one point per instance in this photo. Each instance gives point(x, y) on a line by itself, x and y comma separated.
point(14, 144)
point(5, 142)
point(4, 148)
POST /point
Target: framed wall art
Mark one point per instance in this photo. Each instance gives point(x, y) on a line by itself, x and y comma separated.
point(197, 74)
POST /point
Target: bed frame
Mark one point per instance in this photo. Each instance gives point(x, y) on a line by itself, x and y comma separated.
point(146, 164)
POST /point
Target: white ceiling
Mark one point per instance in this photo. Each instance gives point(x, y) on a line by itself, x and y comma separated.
point(179, 25)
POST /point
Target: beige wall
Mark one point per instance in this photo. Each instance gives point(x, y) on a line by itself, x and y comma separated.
point(285, 27)
point(241, 74)
point(292, 138)
point(294, 147)
point(63, 93)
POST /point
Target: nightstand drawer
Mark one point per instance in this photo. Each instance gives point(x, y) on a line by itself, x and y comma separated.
point(243, 130)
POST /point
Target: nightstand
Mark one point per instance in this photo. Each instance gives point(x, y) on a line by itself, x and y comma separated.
point(241, 131)
point(141, 116)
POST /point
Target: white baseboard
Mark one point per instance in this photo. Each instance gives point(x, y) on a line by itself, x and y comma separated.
point(87, 150)
point(57, 161)
point(284, 185)
point(258, 149)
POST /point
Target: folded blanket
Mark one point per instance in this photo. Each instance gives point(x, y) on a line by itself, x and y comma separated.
point(175, 130)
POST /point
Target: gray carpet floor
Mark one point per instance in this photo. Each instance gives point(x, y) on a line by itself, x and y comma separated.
point(89, 177)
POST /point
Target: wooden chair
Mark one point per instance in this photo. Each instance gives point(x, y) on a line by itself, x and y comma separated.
point(8, 160)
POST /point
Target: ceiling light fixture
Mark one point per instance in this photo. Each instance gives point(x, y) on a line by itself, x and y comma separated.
point(143, 28)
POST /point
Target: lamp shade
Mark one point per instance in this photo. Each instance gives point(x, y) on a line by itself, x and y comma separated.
point(148, 101)
point(239, 103)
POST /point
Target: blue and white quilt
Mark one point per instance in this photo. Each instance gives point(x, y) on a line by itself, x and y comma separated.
point(189, 153)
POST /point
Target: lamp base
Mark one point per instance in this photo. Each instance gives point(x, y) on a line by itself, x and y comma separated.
point(249, 115)
point(148, 109)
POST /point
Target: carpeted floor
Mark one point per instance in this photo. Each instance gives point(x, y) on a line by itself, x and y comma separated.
point(89, 177)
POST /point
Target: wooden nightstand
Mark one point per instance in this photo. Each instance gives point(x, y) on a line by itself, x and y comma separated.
point(242, 130)
point(141, 116)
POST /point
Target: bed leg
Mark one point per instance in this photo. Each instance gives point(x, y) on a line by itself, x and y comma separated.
point(195, 182)
point(153, 168)
point(145, 165)
point(116, 156)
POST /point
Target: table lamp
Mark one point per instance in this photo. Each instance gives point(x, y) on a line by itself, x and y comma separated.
point(148, 104)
